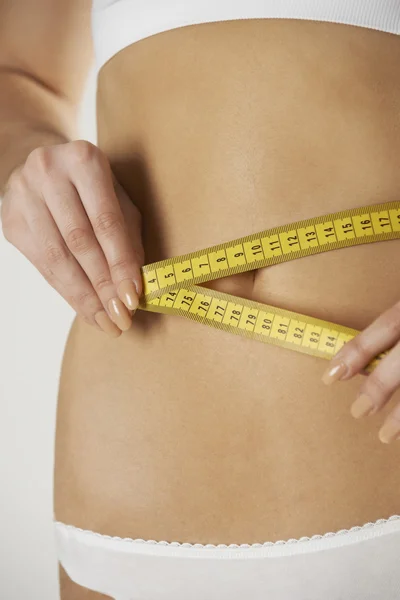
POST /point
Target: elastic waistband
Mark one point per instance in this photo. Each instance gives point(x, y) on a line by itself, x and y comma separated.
point(303, 545)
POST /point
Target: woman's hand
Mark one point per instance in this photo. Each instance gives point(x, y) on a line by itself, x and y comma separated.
point(379, 386)
point(64, 210)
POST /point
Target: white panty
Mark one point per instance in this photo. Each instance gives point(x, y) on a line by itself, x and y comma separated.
point(362, 563)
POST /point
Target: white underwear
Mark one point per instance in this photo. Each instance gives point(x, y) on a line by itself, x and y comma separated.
point(117, 24)
point(362, 563)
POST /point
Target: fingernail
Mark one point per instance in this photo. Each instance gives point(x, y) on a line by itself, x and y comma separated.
point(128, 294)
point(137, 288)
point(105, 323)
point(334, 373)
point(119, 314)
point(390, 431)
point(362, 406)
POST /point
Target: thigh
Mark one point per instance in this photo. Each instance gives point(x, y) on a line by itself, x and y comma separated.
point(69, 590)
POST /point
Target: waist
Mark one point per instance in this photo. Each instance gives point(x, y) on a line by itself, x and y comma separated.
point(220, 146)
point(213, 143)
point(172, 401)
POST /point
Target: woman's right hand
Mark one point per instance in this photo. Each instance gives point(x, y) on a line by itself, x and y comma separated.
point(65, 211)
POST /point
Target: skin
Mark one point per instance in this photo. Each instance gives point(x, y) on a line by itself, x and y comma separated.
point(40, 86)
point(211, 431)
point(194, 434)
point(80, 229)
point(62, 206)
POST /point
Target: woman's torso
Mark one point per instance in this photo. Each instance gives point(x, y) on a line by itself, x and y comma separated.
point(177, 431)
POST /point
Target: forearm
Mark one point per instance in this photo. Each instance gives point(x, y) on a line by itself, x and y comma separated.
point(31, 115)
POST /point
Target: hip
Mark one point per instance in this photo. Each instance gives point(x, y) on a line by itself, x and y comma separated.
point(189, 432)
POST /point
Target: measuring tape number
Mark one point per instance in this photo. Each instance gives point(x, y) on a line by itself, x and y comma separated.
point(170, 285)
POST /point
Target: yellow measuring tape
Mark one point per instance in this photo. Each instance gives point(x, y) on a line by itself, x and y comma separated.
point(170, 284)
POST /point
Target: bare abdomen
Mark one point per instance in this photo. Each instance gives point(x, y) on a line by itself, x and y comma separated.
point(180, 432)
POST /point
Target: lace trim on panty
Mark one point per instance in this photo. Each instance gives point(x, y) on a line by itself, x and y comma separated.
point(256, 545)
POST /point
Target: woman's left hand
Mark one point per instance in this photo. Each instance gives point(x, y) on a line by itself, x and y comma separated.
point(378, 387)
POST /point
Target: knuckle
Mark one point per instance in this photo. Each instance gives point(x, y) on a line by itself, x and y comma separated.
point(40, 159)
point(78, 240)
point(121, 265)
point(89, 319)
point(101, 282)
point(55, 255)
point(14, 178)
point(47, 272)
point(380, 387)
point(16, 184)
point(82, 151)
point(86, 300)
point(107, 223)
point(360, 347)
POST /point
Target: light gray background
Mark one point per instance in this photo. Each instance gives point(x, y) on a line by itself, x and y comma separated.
point(34, 323)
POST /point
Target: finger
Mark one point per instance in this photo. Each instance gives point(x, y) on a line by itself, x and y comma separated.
point(56, 263)
point(379, 387)
point(91, 174)
point(133, 222)
point(97, 318)
point(356, 354)
point(72, 221)
point(390, 430)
